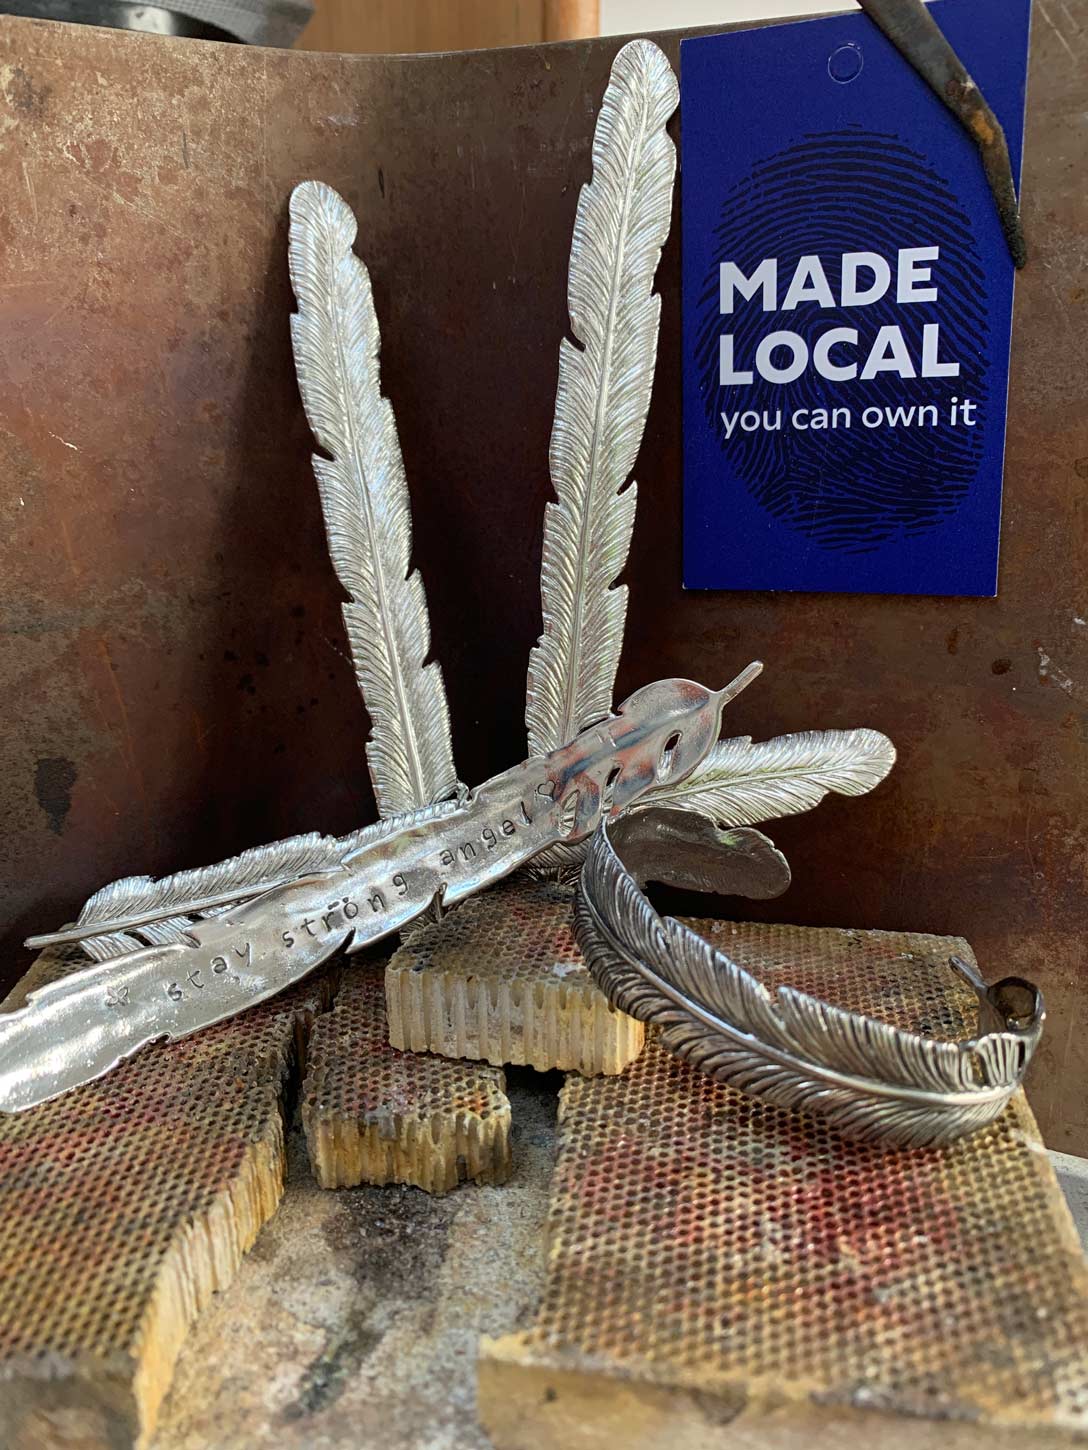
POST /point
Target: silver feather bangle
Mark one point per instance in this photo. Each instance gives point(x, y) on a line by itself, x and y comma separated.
point(870, 1080)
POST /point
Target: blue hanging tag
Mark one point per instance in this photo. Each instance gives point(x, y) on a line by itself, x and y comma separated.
point(847, 297)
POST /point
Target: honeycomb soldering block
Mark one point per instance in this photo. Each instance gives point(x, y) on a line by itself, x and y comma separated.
point(372, 1114)
point(722, 1271)
point(125, 1205)
point(501, 980)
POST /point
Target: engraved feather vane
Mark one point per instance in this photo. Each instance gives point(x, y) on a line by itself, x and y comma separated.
point(139, 911)
point(869, 1079)
point(741, 783)
point(605, 378)
point(364, 495)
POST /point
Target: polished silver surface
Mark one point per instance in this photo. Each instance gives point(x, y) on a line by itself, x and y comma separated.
point(138, 911)
point(209, 968)
point(603, 398)
point(194, 948)
point(364, 495)
point(872, 1081)
point(742, 784)
point(605, 378)
point(677, 848)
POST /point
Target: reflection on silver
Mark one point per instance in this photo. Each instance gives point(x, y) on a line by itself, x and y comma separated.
point(204, 969)
point(742, 784)
point(603, 397)
point(368, 517)
point(870, 1080)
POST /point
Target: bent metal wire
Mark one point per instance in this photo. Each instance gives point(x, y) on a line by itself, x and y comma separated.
point(872, 1081)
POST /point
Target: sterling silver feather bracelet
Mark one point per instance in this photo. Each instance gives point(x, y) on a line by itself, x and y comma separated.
point(872, 1081)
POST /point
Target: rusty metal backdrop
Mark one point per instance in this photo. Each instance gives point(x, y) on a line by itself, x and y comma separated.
point(175, 676)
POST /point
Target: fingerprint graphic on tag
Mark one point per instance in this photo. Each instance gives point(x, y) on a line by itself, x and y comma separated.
point(848, 464)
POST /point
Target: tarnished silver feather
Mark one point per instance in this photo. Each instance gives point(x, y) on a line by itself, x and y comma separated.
point(605, 378)
point(870, 1080)
point(741, 783)
point(679, 848)
point(138, 910)
point(364, 495)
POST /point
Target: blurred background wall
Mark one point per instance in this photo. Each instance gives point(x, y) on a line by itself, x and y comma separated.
point(382, 26)
point(621, 17)
point(390, 26)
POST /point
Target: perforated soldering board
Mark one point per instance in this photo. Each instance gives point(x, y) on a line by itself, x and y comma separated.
point(124, 1206)
point(376, 1115)
point(715, 1261)
point(501, 979)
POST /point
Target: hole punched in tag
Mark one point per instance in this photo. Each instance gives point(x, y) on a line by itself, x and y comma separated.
point(845, 63)
point(668, 753)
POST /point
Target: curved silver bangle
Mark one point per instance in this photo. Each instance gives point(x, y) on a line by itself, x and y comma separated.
point(870, 1080)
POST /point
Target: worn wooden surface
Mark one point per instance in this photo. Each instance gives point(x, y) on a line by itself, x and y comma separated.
point(392, 26)
point(171, 652)
point(571, 19)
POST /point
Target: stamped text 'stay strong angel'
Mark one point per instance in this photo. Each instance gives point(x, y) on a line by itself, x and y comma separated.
point(175, 954)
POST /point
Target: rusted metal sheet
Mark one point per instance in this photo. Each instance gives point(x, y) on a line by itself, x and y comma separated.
point(174, 668)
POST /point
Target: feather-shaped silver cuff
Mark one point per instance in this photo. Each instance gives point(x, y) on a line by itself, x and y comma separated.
point(872, 1081)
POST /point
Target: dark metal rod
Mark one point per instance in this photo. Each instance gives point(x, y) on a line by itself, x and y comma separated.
point(919, 39)
point(118, 15)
